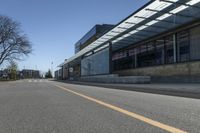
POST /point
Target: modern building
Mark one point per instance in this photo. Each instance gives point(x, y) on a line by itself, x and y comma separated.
point(58, 74)
point(73, 70)
point(96, 32)
point(161, 40)
point(63, 72)
point(26, 73)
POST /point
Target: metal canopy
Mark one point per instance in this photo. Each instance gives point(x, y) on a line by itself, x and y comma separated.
point(153, 18)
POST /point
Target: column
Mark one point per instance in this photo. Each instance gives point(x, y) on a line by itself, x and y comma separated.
point(110, 58)
point(135, 57)
point(175, 48)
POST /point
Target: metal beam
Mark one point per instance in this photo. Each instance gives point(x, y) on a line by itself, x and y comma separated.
point(159, 27)
point(132, 34)
point(132, 38)
point(176, 14)
point(129, 40)
point(156, 20)
point(123, 28)
point(141, 30)
point(121, 32)
point(124, 41)
point(120, 45)
point(96, 43)
point(142, 35)
point(105, 38)
point(99, 41)
point(181, 3)
point(137, 37)
point(148, 31)
point(110, 35)
point(136, 34)
point(117, 32)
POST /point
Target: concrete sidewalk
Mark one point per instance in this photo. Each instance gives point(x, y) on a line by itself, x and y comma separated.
point(194, 88)
point(182, 90)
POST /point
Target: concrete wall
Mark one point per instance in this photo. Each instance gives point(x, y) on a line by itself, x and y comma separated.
point(96, 64)
point(115, 79)
point(189, 68)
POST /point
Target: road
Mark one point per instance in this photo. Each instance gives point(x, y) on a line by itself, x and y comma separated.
point(42, 106)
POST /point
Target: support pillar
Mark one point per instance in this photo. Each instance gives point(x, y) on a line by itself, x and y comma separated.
point(135, 58)
point(68, 73)
point(175, 48)
point(110, 58)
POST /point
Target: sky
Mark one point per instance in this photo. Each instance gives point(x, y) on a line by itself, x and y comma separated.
point(54, 26)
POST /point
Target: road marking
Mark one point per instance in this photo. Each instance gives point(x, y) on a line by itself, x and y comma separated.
point(128, 113)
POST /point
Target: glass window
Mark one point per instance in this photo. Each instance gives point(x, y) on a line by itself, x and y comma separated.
point(159, 53)
point(151, 53)
point(169, 50)
point(119, 55)
point(195, 43)
point(143, 56)
point(183, 47)
point(132, 55)
point(121, 60)
point(131, 52)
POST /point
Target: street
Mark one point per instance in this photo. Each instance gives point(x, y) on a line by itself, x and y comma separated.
point(43, 106)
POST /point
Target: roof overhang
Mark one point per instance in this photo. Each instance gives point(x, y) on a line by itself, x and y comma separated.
point(155, 17)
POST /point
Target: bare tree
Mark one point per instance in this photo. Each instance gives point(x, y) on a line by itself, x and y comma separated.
point(14, 45)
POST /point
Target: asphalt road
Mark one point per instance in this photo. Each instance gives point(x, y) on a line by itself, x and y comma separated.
point(41, 106)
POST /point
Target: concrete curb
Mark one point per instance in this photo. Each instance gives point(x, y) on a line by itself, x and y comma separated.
point(181, 90)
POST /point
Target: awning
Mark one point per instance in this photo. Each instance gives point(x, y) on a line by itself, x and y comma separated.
point(153, 18)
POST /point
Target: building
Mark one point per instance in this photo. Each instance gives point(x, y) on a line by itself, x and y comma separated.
point(59, 74)
point(26, 73)
point(73, 69)
point(96, 32)
point(64, 71)
point(161, 40)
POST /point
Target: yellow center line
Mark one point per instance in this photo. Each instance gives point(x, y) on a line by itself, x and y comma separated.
point(128, 113)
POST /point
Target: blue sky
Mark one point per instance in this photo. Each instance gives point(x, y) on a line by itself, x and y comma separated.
point(54, 26)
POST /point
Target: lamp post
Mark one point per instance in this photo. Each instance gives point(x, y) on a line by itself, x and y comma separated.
point(52, 68)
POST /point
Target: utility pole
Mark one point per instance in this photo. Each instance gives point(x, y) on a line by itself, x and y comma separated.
point(52, 68)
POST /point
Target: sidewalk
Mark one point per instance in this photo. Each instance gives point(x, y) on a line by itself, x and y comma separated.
point(182, 90)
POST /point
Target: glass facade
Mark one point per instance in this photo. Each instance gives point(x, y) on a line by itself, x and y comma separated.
point(195, 43)
point(183, 46)
point(96, 64)
point(83, 40)
point(180, 47)
point(92, 35)
point(169, 50)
